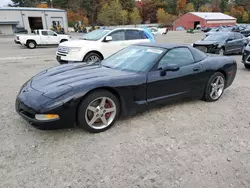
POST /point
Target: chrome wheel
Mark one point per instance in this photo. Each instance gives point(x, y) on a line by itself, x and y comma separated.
point(93, 59)
point(217, 87)
point(100, 113)
point(31, 45)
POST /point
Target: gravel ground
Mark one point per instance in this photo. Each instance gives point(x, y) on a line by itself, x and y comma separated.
point(190, 144)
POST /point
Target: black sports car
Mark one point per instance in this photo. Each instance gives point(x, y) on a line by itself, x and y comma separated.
point(222, 43)
point(246, 57)
point(130, 81)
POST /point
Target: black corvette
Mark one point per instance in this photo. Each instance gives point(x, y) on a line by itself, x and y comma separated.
point(130, 81)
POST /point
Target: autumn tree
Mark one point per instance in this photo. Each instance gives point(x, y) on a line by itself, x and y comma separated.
point(149, 10)
point(190, 7)
point(164, 17)
point(128, 5)
point(42, 5)
point(181, 4)
point(245, 17)
point(124, 16)
point(223, 5)
point(135, 17)
point(205, 8)
point(111, 13)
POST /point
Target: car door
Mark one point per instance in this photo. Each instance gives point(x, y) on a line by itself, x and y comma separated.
point(231, 43)
point(240, 42)
point(53, 38)
point(44, 38)
point(175, 84)
point(134, 36)
point(117, 43)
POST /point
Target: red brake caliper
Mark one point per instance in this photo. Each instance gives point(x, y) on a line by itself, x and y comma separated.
point(107, 105)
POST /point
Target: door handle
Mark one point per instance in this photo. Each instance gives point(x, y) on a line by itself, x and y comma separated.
point(196, 69)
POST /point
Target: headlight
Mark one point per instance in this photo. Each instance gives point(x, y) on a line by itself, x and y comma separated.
point(77, 49)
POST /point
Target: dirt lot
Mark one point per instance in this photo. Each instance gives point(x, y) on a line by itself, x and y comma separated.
point(191, 144)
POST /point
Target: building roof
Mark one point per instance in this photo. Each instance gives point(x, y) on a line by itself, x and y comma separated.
point(213, 16)
point(9, 22)
point(31, 9)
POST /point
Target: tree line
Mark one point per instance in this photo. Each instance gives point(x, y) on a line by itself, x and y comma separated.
point(121, 12)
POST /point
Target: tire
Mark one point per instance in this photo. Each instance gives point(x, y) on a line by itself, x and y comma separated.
point(63, 40)
point(93, 106)
point(247, 66)
point(31, 44)
point(222, 51)
point(208, 96)
point(92, 56)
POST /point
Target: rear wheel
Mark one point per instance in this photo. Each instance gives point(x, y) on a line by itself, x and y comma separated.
point(31, 44)
point(98, 111)
point(92, 57)
point(247, 66)
point(215, 87)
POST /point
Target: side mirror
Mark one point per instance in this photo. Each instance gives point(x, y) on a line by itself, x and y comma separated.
point(170, 67)
point(108, 38)
point(55, 35)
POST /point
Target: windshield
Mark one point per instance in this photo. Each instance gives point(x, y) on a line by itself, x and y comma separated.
point(133, 58)
point(95, 35)
point(218, 37)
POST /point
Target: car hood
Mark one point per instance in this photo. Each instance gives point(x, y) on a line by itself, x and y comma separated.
point(202, 42)
point(78, 43)
point(60, 80)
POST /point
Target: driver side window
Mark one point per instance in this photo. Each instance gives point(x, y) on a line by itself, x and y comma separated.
point(118, 35)
point(179, 56)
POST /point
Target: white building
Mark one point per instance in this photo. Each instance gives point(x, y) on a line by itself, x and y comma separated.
point(30, 19)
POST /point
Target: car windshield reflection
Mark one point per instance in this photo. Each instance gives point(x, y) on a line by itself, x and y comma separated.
point(133, 58)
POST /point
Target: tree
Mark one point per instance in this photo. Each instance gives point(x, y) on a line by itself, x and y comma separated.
point(110, 14)
point(42, 5)
point(23, 3)
point(128, 5)
point(181, 4)
point(124, 15)
point(135, 17)
point(245, 17)
point(149, 10)
point(103, 16)
point(165, 18)
point(223, 5)
point(205, 8)
point(190, 7)
point(198, 3)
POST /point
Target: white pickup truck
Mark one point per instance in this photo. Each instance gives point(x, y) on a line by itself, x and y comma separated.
point(40, 38)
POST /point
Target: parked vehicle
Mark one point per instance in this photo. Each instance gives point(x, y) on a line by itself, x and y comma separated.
point(212, 31)
point(205, 29)
point(130, 81)
point(222, 43)
point(101, 43)
point(41, 38)
point(246, 57)
point(20, 30)
point(246, 32)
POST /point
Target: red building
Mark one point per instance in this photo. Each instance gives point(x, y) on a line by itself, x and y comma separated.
point(204, 19)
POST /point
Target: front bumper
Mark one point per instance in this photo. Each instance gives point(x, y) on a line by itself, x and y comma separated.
point(66, 120)
point(246, 56)
point(17, 42)
point(66, 57)
point(213, 49)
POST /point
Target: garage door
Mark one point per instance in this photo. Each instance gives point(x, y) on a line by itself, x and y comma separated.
point(6, 30)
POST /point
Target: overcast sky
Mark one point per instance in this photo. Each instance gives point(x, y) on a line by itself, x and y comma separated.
point(4, 2)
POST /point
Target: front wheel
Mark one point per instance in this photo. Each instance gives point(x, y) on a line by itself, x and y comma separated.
point(98, 111)
point(215, 87)
point(31, 44)
point(247, 66)
point(92, 58)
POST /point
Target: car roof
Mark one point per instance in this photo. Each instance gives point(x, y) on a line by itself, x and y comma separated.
point(166, 45)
